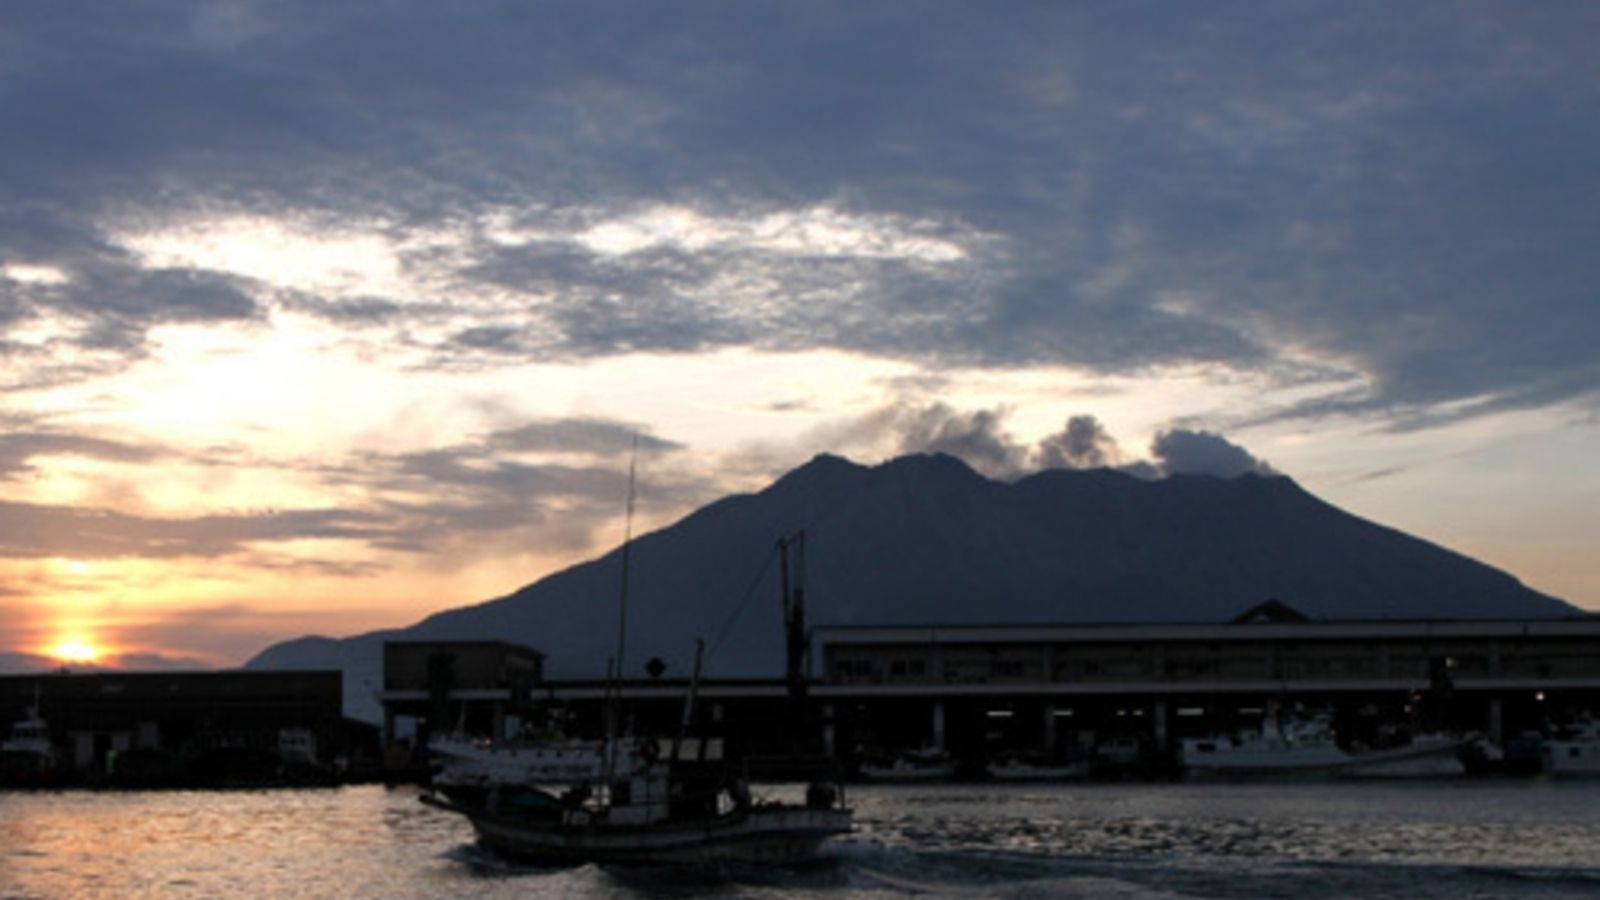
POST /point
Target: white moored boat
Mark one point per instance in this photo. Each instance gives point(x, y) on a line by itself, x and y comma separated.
point(27, 756)
point(924, 764)
point(1020, 768)
point(1576, 751)
point(1304, 744)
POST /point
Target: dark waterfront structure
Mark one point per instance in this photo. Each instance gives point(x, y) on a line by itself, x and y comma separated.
point(474, 687)
point(1059, 691)
point(189, 727)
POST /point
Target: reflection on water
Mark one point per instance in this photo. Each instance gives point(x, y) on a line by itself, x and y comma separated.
point(1467, 839)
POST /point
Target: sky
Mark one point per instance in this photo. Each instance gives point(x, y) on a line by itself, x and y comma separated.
point(320, 317)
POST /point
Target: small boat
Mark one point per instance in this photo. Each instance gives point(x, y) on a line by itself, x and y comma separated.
point(1304, 744)
point(1520, 754)
point(919, 765)
point(1122, 756)
point(1576, 751)
point(1026, 769)
point(28, 757)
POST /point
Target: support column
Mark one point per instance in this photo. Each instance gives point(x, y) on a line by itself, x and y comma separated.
point(938, 724)
point(1049, 730)
point(1497, 724)
point(1161, 724)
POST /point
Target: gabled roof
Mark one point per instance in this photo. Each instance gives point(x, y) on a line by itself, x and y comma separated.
point(1272, 612)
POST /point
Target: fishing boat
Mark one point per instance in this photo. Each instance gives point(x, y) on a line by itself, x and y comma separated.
point(669, 801)
point(674, 800)
point(1304, 744)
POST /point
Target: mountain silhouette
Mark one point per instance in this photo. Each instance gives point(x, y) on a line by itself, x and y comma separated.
point(926, 540)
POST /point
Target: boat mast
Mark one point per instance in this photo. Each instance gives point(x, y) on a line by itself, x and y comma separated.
point(689, 699)
point(627, 545)
point(614, 668)
point(794, 630)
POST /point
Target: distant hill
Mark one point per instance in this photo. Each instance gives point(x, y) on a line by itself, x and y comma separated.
point(14, 662)
point(925, 539)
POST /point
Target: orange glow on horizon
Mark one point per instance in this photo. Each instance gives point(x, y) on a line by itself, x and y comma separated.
point(75, 649)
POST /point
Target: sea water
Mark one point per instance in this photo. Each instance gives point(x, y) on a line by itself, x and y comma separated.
point(1456, 839)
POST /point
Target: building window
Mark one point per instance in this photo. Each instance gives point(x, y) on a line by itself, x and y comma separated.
point(908, 668)
point(854, 668)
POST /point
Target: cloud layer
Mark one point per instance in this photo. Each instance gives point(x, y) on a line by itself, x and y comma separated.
point(1394, 201)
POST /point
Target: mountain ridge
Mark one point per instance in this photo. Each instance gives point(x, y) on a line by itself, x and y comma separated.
point(924, 539)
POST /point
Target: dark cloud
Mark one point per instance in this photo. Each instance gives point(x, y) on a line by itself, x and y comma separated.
point(160, 296)
point(493, 338)
point(507, 479)
point(1083, 444)
point(107, 302)
point(353, 310)
point(481, 497)
point(36, 530)
point(1379, 474)
point(18, 449)
point(164, 662)
point(227, 631)
point(26, 663)
point(475, 499)
point(1184, 452)
point(978, 437)
point(593, 436)
point(1405, 190)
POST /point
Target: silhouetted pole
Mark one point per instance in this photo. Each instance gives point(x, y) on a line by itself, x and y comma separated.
point(794, 632)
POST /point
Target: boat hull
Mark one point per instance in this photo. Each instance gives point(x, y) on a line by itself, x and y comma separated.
point(908, 774)
point(1023, 774)
point(1572, 758)
point(762, 835)
point(1432, 759)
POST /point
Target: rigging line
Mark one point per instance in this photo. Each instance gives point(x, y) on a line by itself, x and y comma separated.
point(727, 624)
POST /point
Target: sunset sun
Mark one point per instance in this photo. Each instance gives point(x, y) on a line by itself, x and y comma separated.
point(75, 650)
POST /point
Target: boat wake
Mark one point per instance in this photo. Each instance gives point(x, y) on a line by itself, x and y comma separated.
point(854, 868)
point(870, 869)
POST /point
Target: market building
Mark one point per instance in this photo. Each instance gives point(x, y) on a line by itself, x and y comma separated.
point(1061, 690)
